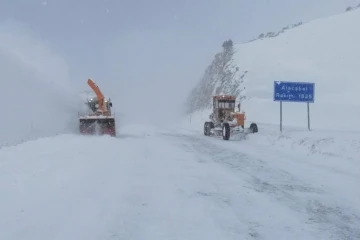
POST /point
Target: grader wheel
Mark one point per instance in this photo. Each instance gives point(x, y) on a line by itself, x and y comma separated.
point(254, 128)
point(226, 131)
point(207, 127)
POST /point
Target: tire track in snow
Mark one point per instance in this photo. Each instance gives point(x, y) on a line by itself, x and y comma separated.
point(324, 213)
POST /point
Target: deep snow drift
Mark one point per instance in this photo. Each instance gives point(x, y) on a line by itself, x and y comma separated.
point(36, 96)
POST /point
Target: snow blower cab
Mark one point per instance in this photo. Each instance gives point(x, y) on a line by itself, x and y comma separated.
point(99, 119)
point(225, 120)
point(94, 106)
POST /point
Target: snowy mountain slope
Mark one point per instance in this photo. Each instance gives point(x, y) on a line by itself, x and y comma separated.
point(324, 51)
point(222, 76)
point(36, 95)
point(171, 184)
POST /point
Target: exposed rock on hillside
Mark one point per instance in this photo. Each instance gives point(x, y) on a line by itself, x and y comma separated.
point(222, 76)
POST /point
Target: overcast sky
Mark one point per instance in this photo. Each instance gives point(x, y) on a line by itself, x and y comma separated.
point(151, 51)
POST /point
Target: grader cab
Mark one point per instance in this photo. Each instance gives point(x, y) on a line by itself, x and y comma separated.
point(225, 120)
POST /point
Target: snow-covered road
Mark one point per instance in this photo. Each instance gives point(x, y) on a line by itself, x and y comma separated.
point(172, 184)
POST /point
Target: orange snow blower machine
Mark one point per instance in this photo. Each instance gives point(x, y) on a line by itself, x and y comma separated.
point(99, 120)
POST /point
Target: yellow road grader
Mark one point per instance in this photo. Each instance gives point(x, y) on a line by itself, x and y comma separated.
point(225, 121)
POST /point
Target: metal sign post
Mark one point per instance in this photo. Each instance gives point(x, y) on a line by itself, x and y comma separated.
point(308, 112)
point(303, 92)
point(280, 116)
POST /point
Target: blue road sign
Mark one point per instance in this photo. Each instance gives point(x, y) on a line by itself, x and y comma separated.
point(294, 91)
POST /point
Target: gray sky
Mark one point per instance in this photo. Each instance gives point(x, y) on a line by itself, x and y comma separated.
point(149, 53)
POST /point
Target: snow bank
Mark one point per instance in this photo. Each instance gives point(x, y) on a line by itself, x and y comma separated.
point(297, 140)
point(35, 90)
point(325, 52)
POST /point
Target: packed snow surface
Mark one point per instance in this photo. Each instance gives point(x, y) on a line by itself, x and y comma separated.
point(174, 183)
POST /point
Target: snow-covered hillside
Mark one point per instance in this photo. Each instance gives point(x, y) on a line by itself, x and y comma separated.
point(36, 96)
point(324, 51)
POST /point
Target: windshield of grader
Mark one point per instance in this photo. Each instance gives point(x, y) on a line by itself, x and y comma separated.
point(226, 104)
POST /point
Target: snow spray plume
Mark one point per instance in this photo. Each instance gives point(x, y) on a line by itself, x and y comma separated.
point(35, 89)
